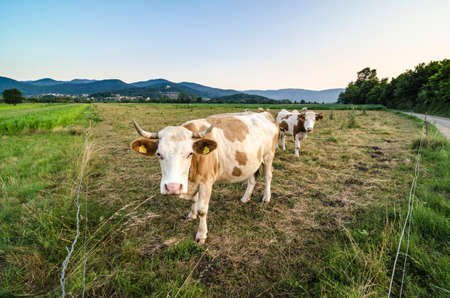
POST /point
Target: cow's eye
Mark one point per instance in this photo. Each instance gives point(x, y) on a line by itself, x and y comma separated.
point(159, 156)
point(189, 155)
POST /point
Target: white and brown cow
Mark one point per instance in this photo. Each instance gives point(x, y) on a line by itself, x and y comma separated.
point(296, 124)
point(220, 148)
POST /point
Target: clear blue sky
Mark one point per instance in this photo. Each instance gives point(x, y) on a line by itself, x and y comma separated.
point(226, 44)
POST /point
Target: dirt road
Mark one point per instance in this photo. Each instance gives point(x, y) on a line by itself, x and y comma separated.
point(442, 123)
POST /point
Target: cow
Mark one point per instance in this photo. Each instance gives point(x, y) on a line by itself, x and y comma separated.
point(296, 124)
point(221, 148)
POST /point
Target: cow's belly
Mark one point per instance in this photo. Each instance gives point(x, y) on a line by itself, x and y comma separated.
point(238, 174)
point(232, 172)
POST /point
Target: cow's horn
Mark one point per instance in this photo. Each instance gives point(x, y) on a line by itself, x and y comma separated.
point(201, 134)
point(145, 134)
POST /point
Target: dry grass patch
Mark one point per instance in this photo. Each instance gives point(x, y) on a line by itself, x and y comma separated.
point(252, 249)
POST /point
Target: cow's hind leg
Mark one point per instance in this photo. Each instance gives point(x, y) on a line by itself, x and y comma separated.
point(267, 176)
point(249, 191)
point(193, 214)
point(202, 210)
point(283, 140)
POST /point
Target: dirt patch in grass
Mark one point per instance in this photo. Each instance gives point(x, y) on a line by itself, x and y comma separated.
point(252, 249)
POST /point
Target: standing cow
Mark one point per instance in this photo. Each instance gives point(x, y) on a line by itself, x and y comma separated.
point(222, 148)
point(296, 124)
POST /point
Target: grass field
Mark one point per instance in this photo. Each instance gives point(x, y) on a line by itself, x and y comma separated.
point(13, 119)
point(331, 228)
point(275, 106)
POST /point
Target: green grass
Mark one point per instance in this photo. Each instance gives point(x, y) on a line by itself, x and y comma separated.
point(37, 175)
point(163, 106)
point(8, 107)
point(13, 121)
point(360, 262)
point(331, 228)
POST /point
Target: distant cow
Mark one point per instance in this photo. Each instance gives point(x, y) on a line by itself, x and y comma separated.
point(296, 124)
point(222, 148)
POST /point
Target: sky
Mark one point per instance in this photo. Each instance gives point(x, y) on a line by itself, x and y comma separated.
point(226, 44)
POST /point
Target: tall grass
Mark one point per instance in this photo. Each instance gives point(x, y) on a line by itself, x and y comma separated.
point(360, 263)
point(14, 121)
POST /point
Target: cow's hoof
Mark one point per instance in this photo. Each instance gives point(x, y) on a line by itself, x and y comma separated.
point(242, 201)
point(191, 217)
point(201, 241)
point(266, 199)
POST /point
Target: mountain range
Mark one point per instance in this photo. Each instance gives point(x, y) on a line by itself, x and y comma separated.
point(85, 86)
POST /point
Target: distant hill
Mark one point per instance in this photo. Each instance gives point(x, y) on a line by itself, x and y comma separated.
point(150, 83)
point(327, 96)
point(153, 86)
point(45, 86)
point(154, 91)
point(209, 92)
point(243, 98)
point(44, 82)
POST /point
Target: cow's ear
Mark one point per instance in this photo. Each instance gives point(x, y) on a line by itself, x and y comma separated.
point(204, 146)
point(301, 116)
point(319, 116)
point(145, 146)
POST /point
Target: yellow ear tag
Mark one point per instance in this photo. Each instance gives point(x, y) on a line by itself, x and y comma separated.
point(205, 150)
point(142, 149)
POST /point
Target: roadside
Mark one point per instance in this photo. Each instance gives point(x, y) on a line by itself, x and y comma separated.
point(442, 123)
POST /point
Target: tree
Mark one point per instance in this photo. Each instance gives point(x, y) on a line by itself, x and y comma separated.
point(12, 96)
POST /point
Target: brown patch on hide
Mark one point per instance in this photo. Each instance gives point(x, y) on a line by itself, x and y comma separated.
point(284, 126)
point(190, 126)
point(300, 125)
point(274, 142)
point(241, 158)
point(269, 117)
point(236, 171)
point(176, 138)
point(233, 128)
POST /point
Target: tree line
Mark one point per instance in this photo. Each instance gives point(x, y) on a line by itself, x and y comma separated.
point(426, 88)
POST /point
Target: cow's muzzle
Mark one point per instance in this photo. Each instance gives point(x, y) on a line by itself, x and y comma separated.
point(173, 188)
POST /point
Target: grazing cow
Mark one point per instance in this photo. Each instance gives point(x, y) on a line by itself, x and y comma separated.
point(222, 148)
point(296, 124)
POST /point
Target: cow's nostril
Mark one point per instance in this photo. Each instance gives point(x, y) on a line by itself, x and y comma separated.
point(173, 188)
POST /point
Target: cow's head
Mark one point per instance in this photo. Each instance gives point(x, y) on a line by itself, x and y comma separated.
point(310, 119)
point(174, 147)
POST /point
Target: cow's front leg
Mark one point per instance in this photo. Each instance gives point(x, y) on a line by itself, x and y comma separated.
point(249, 191)
point(298, 139)
point(283, 140)
point(297, 144)
point(202, 210)
point(267, 177)
point(193, 214)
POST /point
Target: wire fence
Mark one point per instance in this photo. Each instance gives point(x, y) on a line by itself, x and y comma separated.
point(407, 222)
point(65, 263)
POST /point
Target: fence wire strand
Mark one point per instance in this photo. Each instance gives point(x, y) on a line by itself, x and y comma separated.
point(65, 263)
point(85, 236)
point(407, 219)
